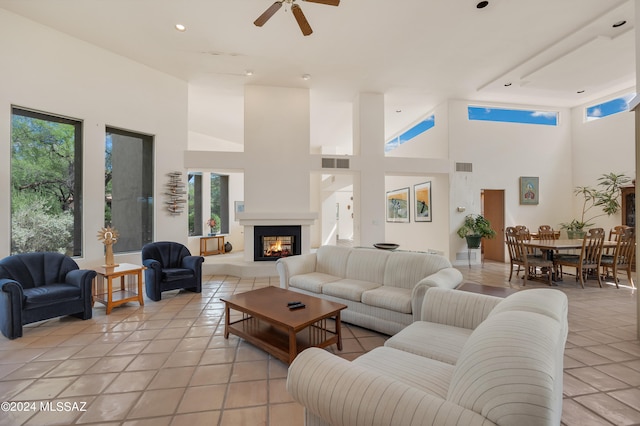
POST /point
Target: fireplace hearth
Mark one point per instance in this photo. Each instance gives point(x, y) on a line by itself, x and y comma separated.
point(274, 242)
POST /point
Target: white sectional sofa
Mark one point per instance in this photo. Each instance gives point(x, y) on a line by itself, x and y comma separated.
point(383, 290)
point(471, 360)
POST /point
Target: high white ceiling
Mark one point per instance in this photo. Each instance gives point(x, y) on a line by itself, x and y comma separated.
point(419, 53)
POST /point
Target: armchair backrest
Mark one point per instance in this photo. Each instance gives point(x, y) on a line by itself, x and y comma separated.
point(36, 269)
point(168, 253)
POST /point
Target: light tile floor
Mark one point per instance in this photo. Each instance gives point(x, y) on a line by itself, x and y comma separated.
point(167, 363)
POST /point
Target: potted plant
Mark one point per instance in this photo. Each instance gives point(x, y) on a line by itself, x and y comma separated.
point(474, 228)
point(606, 196)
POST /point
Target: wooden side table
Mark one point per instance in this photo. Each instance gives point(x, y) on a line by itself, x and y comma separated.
point(212, 245)
point(129, 290)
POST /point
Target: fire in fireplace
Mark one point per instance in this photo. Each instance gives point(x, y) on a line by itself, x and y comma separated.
point(274, 242)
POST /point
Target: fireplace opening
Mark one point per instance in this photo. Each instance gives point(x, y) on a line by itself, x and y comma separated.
point(275, 242)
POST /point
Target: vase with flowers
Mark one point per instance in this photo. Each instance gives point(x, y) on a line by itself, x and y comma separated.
point(213, 226)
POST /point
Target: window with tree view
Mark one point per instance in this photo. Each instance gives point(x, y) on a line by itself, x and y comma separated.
point(46, 183)
point(129, 188)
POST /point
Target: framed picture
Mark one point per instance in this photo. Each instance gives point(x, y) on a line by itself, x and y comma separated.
point(398, 205)
point(238, 207)
point(422, 197)
point(529, 190)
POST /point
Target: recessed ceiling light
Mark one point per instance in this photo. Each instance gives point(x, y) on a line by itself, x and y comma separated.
point(181, 28)
point(482, 4)
point(580, 91)
point(398, 110)
point(619, 24)
point(248, 72)
point(306, 77)
point(507, 84)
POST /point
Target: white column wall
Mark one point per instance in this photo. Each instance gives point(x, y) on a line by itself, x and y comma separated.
point(54, 73)
point(369, 188)
point(277, 148)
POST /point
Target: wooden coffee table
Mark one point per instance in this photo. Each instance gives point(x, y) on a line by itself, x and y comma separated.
point(269, 324)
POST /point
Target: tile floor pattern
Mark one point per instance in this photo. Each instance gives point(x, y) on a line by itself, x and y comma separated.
point(167, 363)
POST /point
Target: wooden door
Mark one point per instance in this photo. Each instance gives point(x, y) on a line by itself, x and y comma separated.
point(494, 212)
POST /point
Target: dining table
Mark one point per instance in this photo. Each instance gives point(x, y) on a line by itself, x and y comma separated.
point(550, 247)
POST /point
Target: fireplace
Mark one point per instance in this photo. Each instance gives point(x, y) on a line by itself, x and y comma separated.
point(273, 242)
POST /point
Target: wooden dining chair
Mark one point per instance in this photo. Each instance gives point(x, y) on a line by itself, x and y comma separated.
point(588, 261)
point(547, 233)
point(520, 256)
point(622, 259)
point(515, 258)
point(614, 234)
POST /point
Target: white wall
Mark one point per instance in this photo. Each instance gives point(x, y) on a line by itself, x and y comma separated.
point(421, 236)
point(434, 143)
point(601, 146)
point(500, 154)
point(51, 72)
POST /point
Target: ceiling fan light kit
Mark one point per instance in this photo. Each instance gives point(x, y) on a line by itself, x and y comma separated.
point(297, 13)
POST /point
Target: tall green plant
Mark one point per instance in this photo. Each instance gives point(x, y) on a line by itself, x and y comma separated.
point(604, 198)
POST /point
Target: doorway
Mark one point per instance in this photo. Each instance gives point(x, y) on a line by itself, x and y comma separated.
point(493, 206)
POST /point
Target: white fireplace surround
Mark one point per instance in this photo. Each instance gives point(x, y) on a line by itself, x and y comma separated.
point(251, 219)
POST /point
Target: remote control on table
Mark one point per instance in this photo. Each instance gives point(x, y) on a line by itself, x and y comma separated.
point(297, 306)
point(293, 303)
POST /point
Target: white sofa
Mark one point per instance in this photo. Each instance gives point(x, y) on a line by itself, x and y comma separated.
point(471, 360)
point(383, 290)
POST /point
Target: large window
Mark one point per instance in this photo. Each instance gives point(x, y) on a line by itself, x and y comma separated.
point(46, 183)
point(129, 188)
point(507, 115)
point(208, 203)
point(196, 222)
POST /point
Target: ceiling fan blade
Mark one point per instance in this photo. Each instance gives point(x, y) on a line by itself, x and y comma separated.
point(328, 2)
point(268, 14)
point(302, 21)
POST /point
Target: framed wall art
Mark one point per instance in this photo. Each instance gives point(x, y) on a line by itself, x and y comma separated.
point(238, 207)
point(529, 190)
point(422, 197)
point(398, 205)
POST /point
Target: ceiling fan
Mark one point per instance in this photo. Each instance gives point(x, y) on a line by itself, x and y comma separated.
point(297, 13)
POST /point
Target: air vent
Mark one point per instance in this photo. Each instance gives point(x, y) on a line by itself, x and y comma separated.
point(464, 167)
point(342, 163)
point(328, 163)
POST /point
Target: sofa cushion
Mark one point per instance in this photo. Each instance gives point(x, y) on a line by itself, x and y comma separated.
point(392, 298)
point(174, 274)
point(50, 293)
point(348, 289)
point(405, 269)
point(367, 265)
point(508, 368)
point(332, 260)
point(416, 371)
point(432, 340)
point(312, 281)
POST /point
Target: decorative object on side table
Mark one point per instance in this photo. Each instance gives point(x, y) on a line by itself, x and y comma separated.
point(386, 246)
point(212, 223)
point(176, 193)
point(607, 195)
point(108, 236)
point(474, 228)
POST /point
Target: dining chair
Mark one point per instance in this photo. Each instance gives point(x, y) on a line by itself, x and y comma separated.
point(622, 259)
point(511, 240)
point(588, 261)
point(520, 256)
point(547, 233)
point(614, 234)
